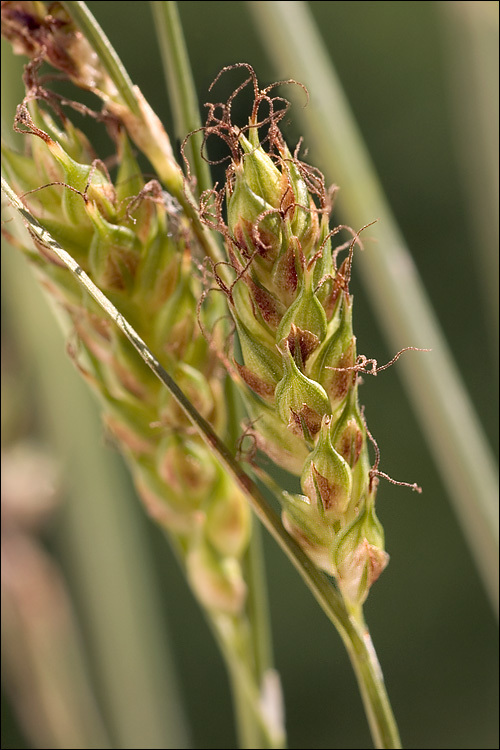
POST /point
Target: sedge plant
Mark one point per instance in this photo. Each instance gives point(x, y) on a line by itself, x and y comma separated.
point(178, 332)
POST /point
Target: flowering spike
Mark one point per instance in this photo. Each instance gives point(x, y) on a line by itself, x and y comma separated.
point(134, 240)
point(291, 298)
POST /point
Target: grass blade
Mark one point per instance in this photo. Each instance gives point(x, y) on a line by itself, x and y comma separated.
point(180, 86)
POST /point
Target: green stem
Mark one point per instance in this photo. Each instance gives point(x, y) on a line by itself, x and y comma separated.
point(255, 728)
point(247, 731)
point(441, 403)
point(258, 610)
point(258, 606)
point(359, 645)
point(180, 87)
point(260, 658)
point(364, 660)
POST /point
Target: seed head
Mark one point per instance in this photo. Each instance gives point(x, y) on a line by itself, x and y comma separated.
point(300, 402)
point(326, 477)
point(359, 555)
point(293, 315)
point(217, 582)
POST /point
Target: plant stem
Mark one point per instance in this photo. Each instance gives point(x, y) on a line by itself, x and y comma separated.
point(180, 87)
point(360, 648)
point(366, 666)
point(258, 606)
point(441, 404)
point(255, 729)
point(247, 731)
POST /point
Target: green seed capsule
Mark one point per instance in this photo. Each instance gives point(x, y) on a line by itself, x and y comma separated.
point(326, 477)
point(252, 231)
point(349, 432)
point(304, 222)
point(301, 402)
point(176, 320)
point(304, 323)
point(217, 582)
point(337, 354)
point(263, 368)
point(186, 467)
point(114, 253)
point(260, 172)
point(170, 509)
point(306, 524)
point(274, 439)
point(359, 555)
point(228, 523)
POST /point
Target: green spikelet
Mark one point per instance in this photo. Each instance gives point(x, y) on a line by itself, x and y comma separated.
point(300, 402)
point(326, 477)
point(359, 555)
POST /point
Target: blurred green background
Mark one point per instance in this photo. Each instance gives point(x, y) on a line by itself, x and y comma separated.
point(417, 76)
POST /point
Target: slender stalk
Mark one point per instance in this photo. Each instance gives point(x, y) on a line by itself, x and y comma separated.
point(254, 728)
point(359, 645)
point(260, 640)
point(441, 404)
point(180, 86)
point(258, 606)
point(248, 732)
point(364, 660)
point(258, 610)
